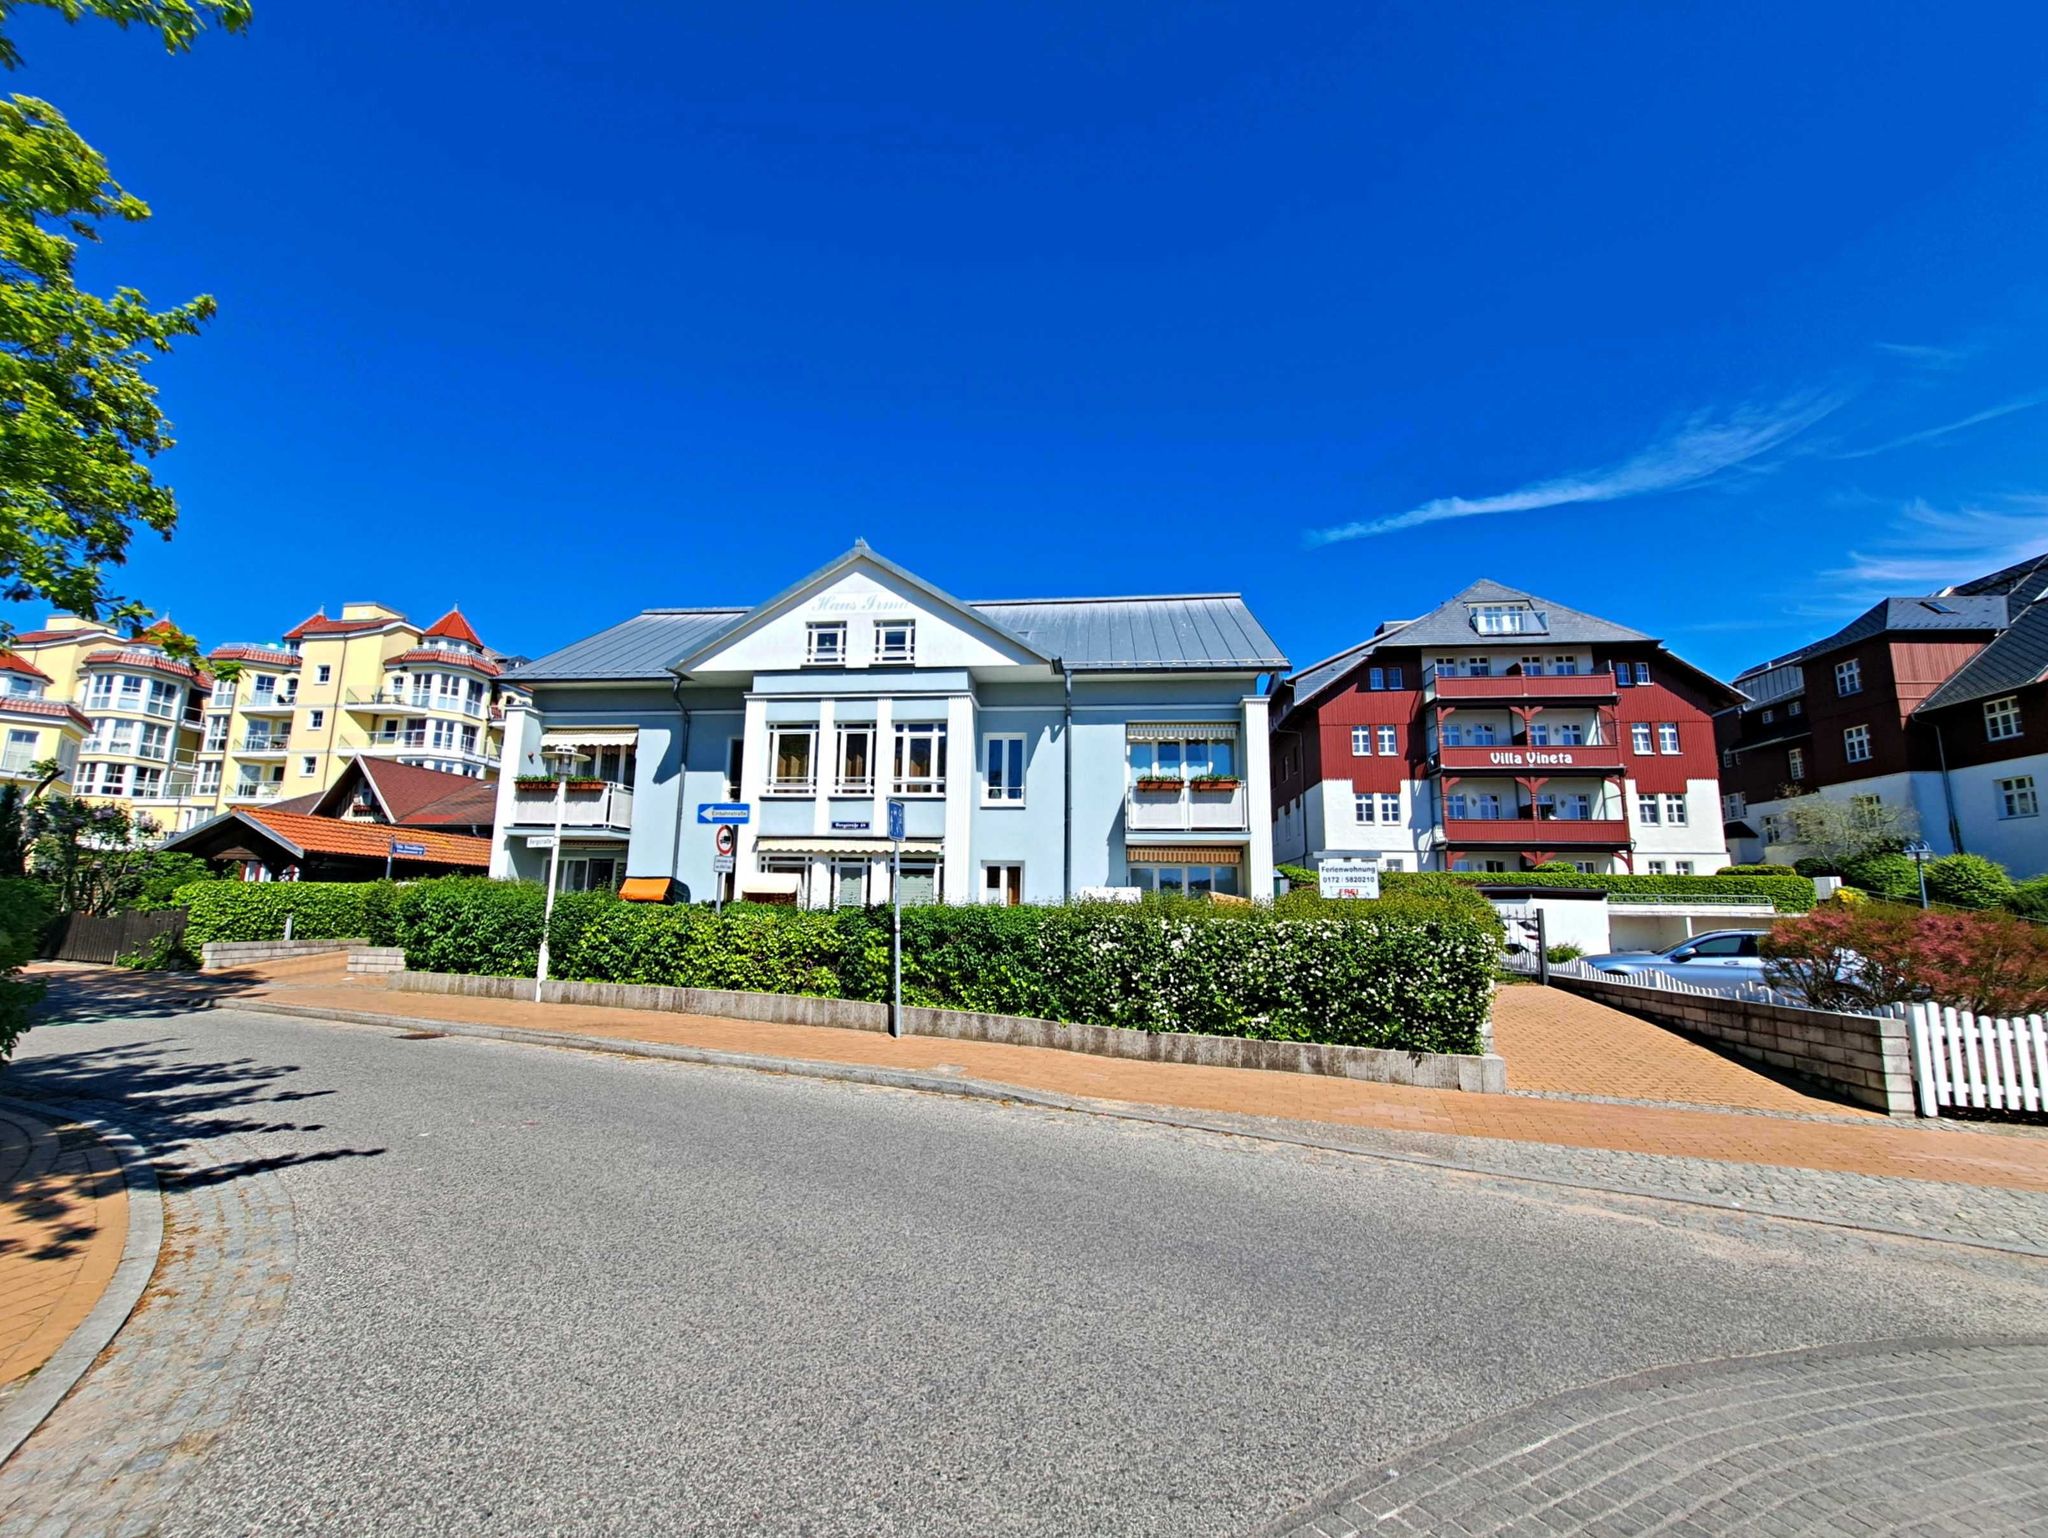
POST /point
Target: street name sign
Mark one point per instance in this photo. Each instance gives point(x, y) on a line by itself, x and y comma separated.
point(540, 841)
point(408, 848)
point(724, 811)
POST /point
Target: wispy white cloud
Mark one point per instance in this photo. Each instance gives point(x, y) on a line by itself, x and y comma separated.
point(1930, 357)
point(1928, 548)
point(1932, 434)
point(1691, 454)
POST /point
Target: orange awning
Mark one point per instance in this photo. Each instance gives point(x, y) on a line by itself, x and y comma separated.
point(645, 889)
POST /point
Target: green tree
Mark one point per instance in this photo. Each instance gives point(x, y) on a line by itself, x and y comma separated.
point(11, 849)
point(82, 417)
point(98, 859)
point(1969, 881)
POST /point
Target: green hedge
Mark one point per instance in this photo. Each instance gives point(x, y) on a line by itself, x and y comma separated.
point(321, 910)
point(26, 911)
point(1788, 894)
point(1412, 973)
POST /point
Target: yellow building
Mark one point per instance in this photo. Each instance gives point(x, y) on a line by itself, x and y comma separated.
point(369, 683)
point(36, 729)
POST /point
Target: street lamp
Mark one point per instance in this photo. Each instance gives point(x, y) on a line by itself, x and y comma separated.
point(1920, 849)
point(563, 758)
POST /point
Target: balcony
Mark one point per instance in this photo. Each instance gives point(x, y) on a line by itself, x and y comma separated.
point(608, 807)
point(259, 747)
point(1518, 686)
point(270, 705)
point(1186, 808)
point(442, 704)
point(1528, 758)
point(424, 744)
point(261, 790)
point(1531, 832)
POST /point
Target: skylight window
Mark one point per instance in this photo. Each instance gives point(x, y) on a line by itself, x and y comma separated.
point(1937, 606)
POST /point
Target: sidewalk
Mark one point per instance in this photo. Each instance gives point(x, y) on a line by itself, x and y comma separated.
point(63, 1224)
point(1847, 1142)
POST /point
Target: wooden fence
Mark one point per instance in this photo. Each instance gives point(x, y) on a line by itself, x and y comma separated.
point(83, 938)
point(1964, 1062)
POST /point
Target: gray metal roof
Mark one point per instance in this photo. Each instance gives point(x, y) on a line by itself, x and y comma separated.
point(2021, 583)
point(1933, 613)
point(1450, 623)
point(1311, 679)
point(2011, 661)
point(1212, 631)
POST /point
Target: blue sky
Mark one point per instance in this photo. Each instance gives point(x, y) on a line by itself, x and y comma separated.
point(1716, 319)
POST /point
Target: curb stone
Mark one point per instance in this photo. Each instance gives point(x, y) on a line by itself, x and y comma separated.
point(48, 1386)
point(981, 1089)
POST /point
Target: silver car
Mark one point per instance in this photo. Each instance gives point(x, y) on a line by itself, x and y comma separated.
point(1716, 959)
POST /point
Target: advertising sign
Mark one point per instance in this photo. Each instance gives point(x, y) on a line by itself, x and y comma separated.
point(1349, 878)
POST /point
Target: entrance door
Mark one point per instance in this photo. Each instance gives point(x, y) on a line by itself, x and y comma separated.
point(1002, 885)
point(849, 883)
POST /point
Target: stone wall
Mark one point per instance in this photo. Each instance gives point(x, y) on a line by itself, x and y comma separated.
point(240, 953)
point(1862, 1058)
point(1433, 1070)
point(377, 958)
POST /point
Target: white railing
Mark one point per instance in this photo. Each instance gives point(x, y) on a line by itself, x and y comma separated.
point(264, 744)
point(1524, 961)
point(1972, 1062)
point(386, 699)
point(266, 790)
point(1187, 807)
point(611, 807)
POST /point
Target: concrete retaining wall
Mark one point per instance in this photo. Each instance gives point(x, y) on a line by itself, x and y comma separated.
point(377, 958)
point(1432, 1070)
point(1864, 1059)
point(240, 953)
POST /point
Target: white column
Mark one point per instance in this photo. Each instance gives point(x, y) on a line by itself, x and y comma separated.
point(826, 765)
point(1258, 801)
point(522, 736)
point(753, 780)
point(962, 776)
point(883, 758)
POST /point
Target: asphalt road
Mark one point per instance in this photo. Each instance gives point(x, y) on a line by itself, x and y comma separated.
point(542, 1291)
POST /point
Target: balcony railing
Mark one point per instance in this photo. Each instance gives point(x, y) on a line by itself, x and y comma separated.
point(791, 785)
point(270, 704)
point(1527, 831)
point(1517, 686)
point(1186, 807)
point(250, 746)
point(262, 790)
point(390, 744)
point(386, 699)
point(611, 807)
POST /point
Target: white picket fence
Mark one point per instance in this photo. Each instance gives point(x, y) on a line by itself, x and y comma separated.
point(1524, 961)
point(1962, 1061)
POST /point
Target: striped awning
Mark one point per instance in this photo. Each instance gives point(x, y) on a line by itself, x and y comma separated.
point(791, 844)
point(1184, 854)
point(590, 737)
point(1181, 731)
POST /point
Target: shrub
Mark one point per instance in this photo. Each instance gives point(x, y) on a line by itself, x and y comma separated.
point(26, 910)
point(1876, 954)
point(320, 910)
point(1552, 867)
point(1555, 953)
point(1297, 875)
point(1788, 894)
point(2030, 898)
point(1892, 876)
point(161, 953)
point(1814, 865)
point(1968, 881)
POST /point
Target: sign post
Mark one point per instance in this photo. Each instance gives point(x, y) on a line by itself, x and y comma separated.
point(724, 840)
point(896, 929)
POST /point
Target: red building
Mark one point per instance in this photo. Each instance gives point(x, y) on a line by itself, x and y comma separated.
point(1497, 732)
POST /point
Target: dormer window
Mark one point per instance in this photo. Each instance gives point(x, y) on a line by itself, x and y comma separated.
point(825, 646)
point(1509, 619)
point(896, 641)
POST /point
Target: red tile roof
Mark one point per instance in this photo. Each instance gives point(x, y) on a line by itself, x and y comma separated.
point(9, 663)
point(455, 628)
point(22, 704)
point(447, 657)
point(267, 656)
point(416, 797)
point(320, 624)
point(51, 637)
point(331, 835)
point(136, 657)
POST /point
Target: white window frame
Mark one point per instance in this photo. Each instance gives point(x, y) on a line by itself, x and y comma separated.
point(1642, 738)
point(2017, 797)
point(991, 793)
point(993, 896)
point(1361, 742)
point(1676, 813)
point(817, 655)
point(1856, 744)
point(1649, 813)
point(1388, 741)
point(1848, 677)
point(1668, 740)
point(1364, 807)
point(323, 673)
point(808, 786)
point(906, 733)
point(2002, 719)
point(843, 783)
point(309, 764)
point(906, 653)
point(315, 719)
point(1795, 765)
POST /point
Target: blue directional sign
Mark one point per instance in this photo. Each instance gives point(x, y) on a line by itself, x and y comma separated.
point(724, 811)
point(896, 819)
point(398, 848)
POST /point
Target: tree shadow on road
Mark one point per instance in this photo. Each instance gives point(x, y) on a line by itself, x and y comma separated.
point(77, 993)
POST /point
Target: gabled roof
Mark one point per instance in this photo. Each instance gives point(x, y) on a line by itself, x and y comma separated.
point(412, 797)
point(301, 834)
point(2012, 660)
point(319, 625)
point(10, 663)
point(93, 632)
point(1180, 631)
point(1932, 614)
point(1450, 622)
point(455, 628)
point(446, 656)
point(824, 576)
point(139, 657)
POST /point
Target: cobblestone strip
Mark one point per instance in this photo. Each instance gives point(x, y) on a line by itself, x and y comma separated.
point(111, 1460)
point(1891, 1437)
point(25, 1405)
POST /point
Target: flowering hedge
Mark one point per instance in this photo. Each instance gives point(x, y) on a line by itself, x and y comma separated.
point(1871, 954)
point(1787, 894)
